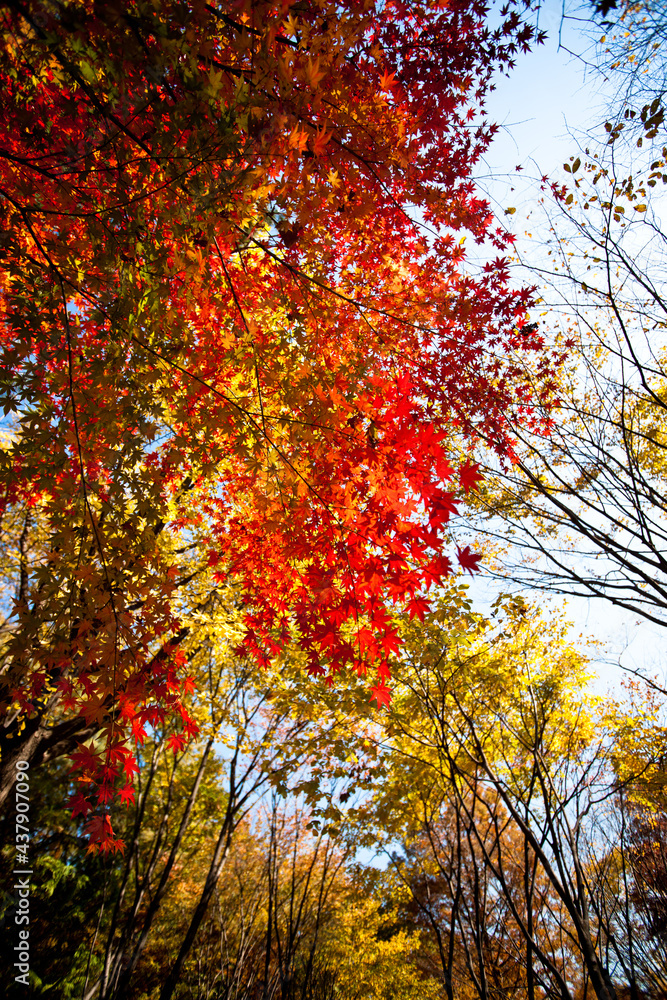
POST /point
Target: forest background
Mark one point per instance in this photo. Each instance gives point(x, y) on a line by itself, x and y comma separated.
point(270, 370)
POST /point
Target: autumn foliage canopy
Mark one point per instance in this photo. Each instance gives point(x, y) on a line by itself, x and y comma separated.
point(236, 313)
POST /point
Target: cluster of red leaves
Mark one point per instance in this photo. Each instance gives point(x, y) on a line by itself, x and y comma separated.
point(219, 313)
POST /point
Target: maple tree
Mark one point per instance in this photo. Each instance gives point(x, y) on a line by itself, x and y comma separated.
point(236, 316)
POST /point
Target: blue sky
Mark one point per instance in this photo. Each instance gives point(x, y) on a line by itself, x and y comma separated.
point(549, 98)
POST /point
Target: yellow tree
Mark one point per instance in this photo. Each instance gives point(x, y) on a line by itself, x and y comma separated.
point(501, 771)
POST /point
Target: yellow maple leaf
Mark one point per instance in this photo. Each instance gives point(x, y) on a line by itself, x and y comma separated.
point(313, 73)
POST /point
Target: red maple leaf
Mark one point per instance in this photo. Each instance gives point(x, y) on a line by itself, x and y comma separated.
point(390, 641)
point(382, 694)
point(126, 794)
point(443, 508)
point(418, 607)
point(100, 834)
point(79, 805)
point(176, 742)
point(468, 560)
point(469, 476)
point(130, 765)
point(86, 760)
